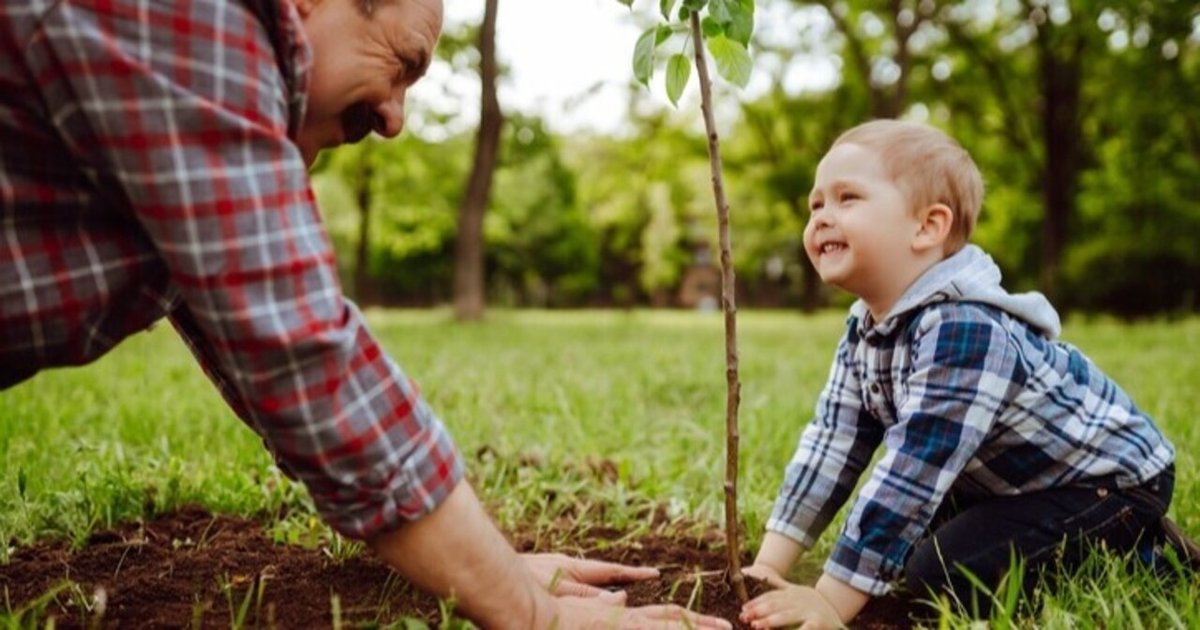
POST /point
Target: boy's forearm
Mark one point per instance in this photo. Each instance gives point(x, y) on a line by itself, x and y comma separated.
point(846, 599)
point(778, 552)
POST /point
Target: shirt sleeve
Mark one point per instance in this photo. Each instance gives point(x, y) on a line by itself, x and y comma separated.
point(834, 450)
point(179, 111)
point(963, 369)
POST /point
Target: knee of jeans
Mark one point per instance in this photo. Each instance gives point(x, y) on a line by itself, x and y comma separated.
point(926, 571)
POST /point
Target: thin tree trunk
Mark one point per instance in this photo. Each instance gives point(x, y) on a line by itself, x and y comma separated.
point(1061, 84)
point(363, 247)
point(468, 254)
point(729, 306)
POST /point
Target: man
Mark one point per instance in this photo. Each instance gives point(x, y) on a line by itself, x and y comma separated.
point(153, 163)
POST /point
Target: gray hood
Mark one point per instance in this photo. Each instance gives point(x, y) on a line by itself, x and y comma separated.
point(970, 276)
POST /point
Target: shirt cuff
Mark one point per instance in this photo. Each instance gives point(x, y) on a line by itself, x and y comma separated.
point(864, 569)
point(396, 492)
point(789, 530)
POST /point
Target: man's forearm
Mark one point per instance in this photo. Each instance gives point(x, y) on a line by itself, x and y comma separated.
point(456, 551)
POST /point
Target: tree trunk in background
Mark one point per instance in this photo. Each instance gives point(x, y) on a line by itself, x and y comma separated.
point(886, 100)
point(468, 253)
point(362, 290)
point(1061, 134)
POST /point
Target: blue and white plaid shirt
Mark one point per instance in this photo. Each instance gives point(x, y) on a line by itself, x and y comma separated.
point(965, 387)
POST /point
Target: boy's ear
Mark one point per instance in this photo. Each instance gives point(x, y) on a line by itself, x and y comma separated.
point(304, 7)
point(934, 227)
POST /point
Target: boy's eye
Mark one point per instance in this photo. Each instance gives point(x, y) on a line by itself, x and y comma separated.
point(849, 196)
point(815, 205)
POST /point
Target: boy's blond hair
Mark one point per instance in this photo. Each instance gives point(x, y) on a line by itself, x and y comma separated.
point(929, 166)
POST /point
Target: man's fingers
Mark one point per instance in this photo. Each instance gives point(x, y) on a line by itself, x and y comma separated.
point(571, 588)
point(671, 612)
point(600, 572)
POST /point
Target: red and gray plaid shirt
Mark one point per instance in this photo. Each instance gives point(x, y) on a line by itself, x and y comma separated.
point(147, 169)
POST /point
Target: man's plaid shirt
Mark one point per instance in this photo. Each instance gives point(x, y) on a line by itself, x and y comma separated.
point(961, 394)
point(148, 169)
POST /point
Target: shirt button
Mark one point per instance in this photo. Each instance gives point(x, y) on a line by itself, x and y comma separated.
point(874, 389)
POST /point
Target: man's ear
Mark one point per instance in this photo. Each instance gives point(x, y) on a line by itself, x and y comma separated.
point(934, 227)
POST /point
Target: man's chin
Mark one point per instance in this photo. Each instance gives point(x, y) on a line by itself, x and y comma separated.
point(311, 150)
point(311, 145)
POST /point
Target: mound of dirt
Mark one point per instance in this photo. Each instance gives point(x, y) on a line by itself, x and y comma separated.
point(193, 568)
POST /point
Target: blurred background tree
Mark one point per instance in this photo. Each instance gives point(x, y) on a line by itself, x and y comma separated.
point(1084, 116)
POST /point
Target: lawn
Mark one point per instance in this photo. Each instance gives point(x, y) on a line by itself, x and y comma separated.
point(542, 404)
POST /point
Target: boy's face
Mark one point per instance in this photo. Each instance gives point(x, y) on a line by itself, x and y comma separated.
point(860, 232)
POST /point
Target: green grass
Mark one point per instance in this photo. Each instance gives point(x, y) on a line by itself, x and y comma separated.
point(141, 431)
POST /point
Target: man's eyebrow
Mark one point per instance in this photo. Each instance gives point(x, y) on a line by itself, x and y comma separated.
point(420, 65)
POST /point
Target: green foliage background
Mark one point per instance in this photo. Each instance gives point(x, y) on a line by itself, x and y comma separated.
point(589, 219)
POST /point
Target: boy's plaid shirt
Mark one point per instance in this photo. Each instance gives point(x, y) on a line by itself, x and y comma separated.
point(147, 168)
point(961, 395)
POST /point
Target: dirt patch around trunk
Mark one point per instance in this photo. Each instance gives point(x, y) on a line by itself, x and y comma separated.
point(195, 569)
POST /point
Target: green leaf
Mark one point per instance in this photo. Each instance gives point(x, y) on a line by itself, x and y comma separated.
point(628, 3)
point(722, 10)
point(710, 27)
point(679, 70)
point(661, 35)
point(21, 481)
point(665, 6)
point(643, 56)
point(733, 61)
point(684, 13)
point(741, 27)
point(694, 5)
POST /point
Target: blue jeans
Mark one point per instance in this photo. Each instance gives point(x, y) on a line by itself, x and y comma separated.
point(1051, 530)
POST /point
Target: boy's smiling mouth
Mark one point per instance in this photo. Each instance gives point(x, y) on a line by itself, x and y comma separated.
point(831, 248)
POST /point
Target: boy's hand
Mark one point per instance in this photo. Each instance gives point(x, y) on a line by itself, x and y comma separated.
point(791, 605)
point(765, 573)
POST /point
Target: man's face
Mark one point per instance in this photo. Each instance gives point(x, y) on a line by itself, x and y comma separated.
point(363, 66)
point(860, 233)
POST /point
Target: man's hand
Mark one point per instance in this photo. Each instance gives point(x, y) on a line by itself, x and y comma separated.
point(577, 612)
point(582, 603)
point(791, 605)
point(566, 576)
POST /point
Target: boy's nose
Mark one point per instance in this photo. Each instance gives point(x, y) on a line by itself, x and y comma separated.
point(819, 219)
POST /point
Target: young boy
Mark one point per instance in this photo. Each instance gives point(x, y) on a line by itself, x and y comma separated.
point(997, 438)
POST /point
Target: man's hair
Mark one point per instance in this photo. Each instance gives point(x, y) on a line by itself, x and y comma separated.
point(929, 166)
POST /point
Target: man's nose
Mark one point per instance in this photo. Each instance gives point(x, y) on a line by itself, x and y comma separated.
point(389, 121)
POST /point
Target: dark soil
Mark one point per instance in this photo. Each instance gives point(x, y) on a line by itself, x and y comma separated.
point(192, 568)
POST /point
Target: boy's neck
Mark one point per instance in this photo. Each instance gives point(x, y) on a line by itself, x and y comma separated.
point(881, 306)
